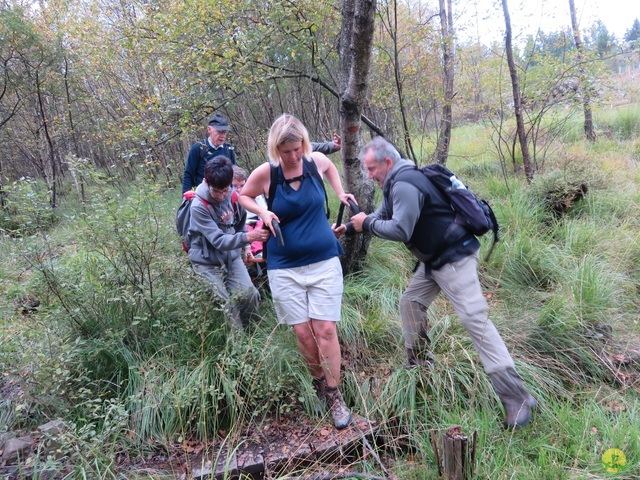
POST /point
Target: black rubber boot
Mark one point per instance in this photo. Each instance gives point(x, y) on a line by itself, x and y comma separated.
point(419, 358)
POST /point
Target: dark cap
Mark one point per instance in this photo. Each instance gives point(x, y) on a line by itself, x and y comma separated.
point(219, 122)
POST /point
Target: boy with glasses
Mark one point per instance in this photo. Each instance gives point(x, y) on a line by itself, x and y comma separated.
point(217, 238)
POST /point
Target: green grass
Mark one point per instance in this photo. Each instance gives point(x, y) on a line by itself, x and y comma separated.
point(133, 353)
point(624, 122)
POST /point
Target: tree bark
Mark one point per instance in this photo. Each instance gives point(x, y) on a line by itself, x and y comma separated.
point(448, 60)
point(392, 29)
point(455, 456)
point(53, 199)
point(586, 99)
point(517, 100)
point(356, 40)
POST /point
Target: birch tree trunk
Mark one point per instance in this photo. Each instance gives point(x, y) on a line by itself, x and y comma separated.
point(356, 40)
point(586, 99)
point(448, 61)
point(517, 100)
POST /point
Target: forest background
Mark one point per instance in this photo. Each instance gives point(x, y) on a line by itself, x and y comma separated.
point(99, 104)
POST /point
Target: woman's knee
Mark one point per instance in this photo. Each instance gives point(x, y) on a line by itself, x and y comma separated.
point(304, 334)
point(325, 331)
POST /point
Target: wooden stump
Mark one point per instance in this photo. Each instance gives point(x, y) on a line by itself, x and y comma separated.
point(455, 456)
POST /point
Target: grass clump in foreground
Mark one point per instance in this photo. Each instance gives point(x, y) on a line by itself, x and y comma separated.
point(132, 352)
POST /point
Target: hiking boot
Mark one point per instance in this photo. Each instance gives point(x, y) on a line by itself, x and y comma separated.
point(320, 386)
point(417, 358)
point(517, 401)
point(339, 411)
point(519, 413)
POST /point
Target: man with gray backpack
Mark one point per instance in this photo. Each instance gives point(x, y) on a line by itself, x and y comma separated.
point(440, 232)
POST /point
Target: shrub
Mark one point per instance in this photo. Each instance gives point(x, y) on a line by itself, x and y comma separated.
point(26, 209)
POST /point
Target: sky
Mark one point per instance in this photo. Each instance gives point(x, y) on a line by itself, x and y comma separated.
point(484, 18)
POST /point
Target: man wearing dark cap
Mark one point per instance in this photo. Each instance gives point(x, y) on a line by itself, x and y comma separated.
point(206, 149)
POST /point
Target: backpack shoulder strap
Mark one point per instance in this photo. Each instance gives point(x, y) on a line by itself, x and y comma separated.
point(403, 174)
point(206, 205)
point(204, 149)
point(236, 207)
point(313, 169)
point(204, 202)
point(274, 181)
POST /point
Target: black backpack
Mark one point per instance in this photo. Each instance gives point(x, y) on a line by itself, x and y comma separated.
point(204, 151)
point(474, 214)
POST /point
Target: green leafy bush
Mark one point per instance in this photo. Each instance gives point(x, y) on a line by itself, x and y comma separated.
point(26, 209)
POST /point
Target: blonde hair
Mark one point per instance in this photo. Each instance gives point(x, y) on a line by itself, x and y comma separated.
point(239, 173)
point(285, 129)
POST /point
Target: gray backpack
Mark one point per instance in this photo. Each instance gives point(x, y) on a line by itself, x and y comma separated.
point(183, 217)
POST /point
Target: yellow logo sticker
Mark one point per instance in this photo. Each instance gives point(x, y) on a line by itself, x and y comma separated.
point(613, 460)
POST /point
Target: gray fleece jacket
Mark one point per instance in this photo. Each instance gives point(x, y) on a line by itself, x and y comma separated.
point(397, 216)
point(216, 232)
point(418, 215)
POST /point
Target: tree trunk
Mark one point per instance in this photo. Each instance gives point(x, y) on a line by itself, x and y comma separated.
point(356, 40)
point(53, 200)
point(448, 60)
point(517, 100)
point(69, 106)
point(392, 29)
point(586, 99)
point(3, 200)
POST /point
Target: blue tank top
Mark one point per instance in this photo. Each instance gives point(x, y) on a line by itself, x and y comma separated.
point(305, 229)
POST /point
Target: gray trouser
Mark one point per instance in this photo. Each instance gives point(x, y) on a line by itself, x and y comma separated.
point(233, 285)
point(460, 283)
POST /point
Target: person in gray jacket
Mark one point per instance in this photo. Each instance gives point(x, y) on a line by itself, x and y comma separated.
point(416, 213)
point(327, 147)
point(217, 238)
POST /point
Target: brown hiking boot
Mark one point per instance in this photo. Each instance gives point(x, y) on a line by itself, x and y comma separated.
point(339, 411)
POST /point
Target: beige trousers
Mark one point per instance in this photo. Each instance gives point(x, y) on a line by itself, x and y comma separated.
point(460, 283)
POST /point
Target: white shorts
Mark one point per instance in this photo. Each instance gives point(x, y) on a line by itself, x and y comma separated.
point(312, 291)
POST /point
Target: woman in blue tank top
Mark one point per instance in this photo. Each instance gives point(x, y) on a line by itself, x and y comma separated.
point(305, 276)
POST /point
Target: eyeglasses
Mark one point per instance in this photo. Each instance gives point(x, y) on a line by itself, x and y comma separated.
point(218, 192)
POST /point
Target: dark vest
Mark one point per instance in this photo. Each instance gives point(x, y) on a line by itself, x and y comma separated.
point(436, 236)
